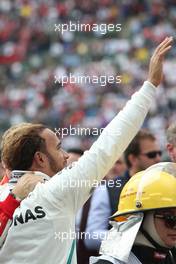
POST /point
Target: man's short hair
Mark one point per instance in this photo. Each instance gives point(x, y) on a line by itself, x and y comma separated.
point(19, 145)
point(171, 134)
point(134, 147)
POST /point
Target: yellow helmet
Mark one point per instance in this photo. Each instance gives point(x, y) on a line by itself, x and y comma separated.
point(151, 189)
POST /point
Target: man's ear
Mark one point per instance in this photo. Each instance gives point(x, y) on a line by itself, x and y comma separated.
point(132, 159)
point(170, 148)
point(40, 159)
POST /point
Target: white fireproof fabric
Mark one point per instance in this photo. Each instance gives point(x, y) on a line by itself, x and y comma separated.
point(43, 227)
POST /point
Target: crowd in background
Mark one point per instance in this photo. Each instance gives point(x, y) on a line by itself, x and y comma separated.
point(32, 53)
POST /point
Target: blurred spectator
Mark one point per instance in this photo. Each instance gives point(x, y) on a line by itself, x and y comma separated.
point(171, 141)
point(74, 155)
point(118, 169)
point(83, 253)
point(81, 218)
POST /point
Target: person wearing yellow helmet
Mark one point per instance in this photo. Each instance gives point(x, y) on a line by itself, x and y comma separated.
point(144, 226)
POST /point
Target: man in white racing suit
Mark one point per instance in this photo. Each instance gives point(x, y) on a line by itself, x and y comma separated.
point(43, 227)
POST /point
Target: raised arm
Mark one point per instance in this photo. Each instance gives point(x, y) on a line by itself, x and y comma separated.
point(72, 186)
